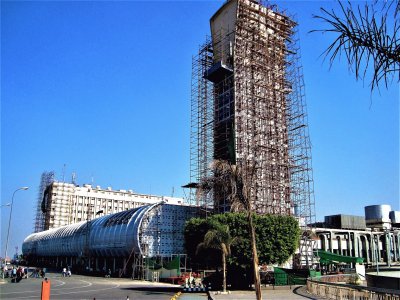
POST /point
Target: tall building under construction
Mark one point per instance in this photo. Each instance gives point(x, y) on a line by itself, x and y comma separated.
point(248, 108)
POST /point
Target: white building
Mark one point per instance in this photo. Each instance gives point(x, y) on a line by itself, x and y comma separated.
point(66, 203)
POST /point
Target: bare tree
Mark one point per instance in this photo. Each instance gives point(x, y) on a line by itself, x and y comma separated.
point(367, 38)
point(234, 183)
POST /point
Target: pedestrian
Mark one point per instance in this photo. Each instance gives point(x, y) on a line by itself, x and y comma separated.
point(104, 271)
point(14, 274)
point(25, 272)
point(109, 273)
point(5, 271)
point(19, 274)
point(64, 272)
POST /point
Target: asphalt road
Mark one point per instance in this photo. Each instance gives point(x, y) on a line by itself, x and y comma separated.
point(86, 287)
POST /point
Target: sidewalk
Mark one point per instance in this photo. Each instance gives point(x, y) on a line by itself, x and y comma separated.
point(279, 293)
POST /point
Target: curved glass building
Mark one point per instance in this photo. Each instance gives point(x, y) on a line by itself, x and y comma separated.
point(154, 230)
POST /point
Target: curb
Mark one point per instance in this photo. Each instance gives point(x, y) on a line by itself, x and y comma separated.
point(195, 289)
point(176, 296)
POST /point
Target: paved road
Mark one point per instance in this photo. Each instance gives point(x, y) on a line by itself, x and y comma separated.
point(86, 287)
point(195, 296)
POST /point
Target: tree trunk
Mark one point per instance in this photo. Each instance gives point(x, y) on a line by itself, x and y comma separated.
point(257, 282)
point(223, 272)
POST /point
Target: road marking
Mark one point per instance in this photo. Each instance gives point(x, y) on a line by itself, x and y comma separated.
point(53, 288)
point(75, 292)
point(61, 284)
point(176, 296)
point(75, 287)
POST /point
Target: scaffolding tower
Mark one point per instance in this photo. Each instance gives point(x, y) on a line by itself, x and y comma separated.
point(45, 180)
point(301, 174)
point(202, 116)
point(248, 108)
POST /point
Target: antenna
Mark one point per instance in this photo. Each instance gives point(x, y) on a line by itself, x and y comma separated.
point(63, 173)
point(173, 191)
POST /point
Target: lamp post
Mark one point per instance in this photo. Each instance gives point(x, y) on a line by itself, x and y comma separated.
point(9, 219)
point(2, 271)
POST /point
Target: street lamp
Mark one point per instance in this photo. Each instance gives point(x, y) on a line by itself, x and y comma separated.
point(9, 220)
point(7, 204)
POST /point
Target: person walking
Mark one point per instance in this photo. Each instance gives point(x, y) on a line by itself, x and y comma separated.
point(5, 271)
point(14, 274)
point(104, 271)
point(20, 273)
point(43, 272)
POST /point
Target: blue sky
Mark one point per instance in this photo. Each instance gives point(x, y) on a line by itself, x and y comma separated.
point(104, 88)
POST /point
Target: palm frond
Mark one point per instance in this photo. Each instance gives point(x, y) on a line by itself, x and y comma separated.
point(365, 39)
point(218, 237)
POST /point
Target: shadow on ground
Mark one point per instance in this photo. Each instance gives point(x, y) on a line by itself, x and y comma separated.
point(157, 289)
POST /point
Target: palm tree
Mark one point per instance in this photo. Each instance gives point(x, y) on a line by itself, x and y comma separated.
point(219, 237)
point(233, 182)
